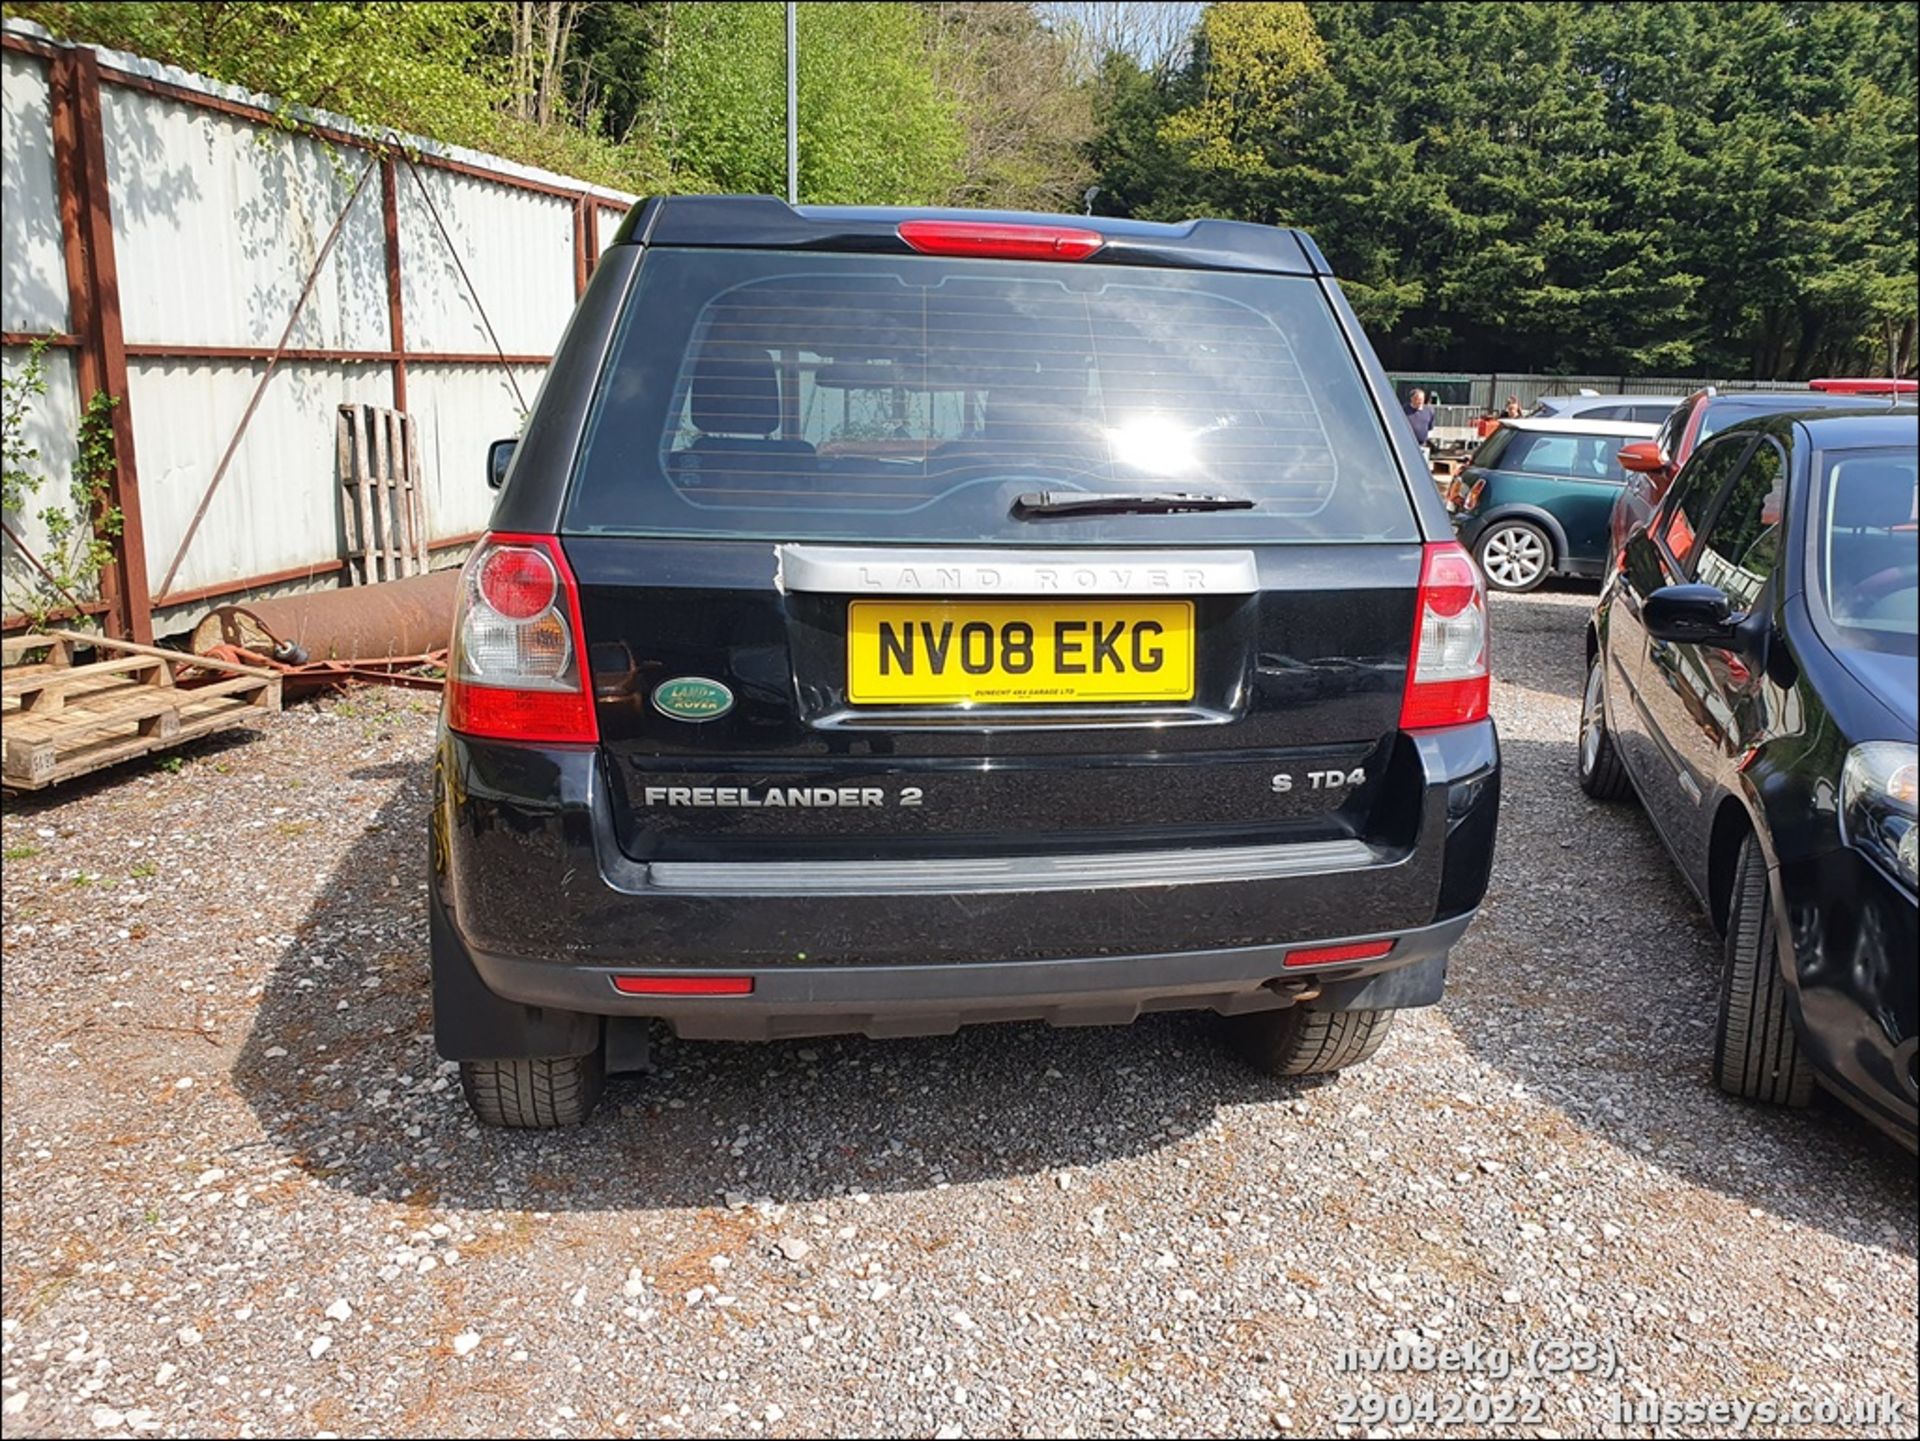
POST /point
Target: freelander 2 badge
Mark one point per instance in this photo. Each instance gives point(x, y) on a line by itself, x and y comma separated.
point(692, 698)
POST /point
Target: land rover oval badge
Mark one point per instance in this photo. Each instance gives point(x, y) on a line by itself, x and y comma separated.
point(692, 698)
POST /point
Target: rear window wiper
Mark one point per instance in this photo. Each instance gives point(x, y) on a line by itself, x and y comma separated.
point(1079, 502)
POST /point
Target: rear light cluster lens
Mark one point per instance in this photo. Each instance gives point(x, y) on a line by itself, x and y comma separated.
point(1447, 682)
point(517, 581)
point(1473, 495)
point(516, 671)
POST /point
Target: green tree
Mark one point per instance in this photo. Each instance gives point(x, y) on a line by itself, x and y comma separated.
point(1025, 120)
point(1640, 187)
point(1254, 60)
point(421, 67)
point(873, 126)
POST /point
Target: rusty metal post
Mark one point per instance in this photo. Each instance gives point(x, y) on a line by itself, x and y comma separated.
point(93, 299)
point(582, 208)
point(396, 318)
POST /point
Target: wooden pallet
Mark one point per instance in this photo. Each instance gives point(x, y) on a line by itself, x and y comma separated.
point(60, 720)
point(382, 497)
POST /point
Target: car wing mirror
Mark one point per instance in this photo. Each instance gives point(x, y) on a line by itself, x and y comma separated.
point(499, 458)
point(1643, 457)
point(1691, 615)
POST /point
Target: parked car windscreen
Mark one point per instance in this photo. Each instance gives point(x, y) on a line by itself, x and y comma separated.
point(1545, 452)
point(770, 395)
point(1869, 547)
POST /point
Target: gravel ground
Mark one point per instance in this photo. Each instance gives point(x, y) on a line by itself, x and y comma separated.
point(242, 1195)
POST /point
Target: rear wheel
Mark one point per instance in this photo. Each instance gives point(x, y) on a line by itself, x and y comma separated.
point(1755, 1051)
point(1602, 776)
point(1295, 1041)
point(1514, 555)
point(535, 1095)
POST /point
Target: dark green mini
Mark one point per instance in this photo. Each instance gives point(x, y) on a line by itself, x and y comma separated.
point(1535, 501)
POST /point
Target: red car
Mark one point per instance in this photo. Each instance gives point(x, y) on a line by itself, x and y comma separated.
point(1652, 464)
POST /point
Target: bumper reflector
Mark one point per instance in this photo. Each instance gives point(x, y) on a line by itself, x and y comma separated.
point(683, 985)
point(1328, 955)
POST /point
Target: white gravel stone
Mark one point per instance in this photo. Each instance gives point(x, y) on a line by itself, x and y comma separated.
point(1633, 1203)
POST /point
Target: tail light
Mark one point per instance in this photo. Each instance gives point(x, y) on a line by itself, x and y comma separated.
point(518, 671)
point(1473, 494)
point(1447, 680)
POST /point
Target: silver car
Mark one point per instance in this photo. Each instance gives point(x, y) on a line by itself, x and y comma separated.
point(1591, 405)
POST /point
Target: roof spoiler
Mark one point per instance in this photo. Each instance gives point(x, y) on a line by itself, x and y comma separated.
point(762, 222)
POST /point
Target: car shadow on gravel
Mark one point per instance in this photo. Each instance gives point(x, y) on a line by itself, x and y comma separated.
point(340, 1070)
point(1591, 977)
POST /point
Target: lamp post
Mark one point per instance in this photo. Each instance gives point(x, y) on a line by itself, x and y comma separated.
point(793, 112)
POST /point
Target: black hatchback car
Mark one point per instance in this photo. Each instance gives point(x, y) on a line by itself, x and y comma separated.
point(1751, 674)
point(898, 619)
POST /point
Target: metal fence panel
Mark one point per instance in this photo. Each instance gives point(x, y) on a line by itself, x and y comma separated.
point(518, 252)
point(459, 409)
point(217, 224)
point(34, 293)
point(1489, 390)
point(218, 216)
point(51, 427)
point(279, 506)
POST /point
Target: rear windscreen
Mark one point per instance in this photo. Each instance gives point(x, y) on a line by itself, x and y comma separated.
point(1568, 457)
point(811, 396)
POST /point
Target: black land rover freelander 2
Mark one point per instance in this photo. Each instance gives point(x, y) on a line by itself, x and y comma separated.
point(897, 619)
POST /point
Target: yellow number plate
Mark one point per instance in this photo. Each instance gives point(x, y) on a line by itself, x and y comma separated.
point(1014, 653)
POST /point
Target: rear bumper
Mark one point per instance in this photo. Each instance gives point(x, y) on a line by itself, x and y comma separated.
point(937, 1000)
point(1850, 937)
point(534, 897)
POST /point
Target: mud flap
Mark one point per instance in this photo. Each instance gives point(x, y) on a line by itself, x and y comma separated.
point(1419, 984)
point(471, 1023)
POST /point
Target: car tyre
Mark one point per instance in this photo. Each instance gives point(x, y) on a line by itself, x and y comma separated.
point(1295, 1041)
point(1602, 775)
point(535, 1095)
point(1515, 556)
point(1756, 1053)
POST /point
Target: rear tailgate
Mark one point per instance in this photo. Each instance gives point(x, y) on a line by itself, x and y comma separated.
point(1294, 713)
point(806, 492)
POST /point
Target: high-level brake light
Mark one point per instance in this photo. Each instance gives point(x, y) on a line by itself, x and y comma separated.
point(999, 240)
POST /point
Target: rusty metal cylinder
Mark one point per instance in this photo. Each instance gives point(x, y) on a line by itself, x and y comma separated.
point(409, 617)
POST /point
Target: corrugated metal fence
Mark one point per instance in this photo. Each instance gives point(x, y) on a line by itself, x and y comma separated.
point(159, 229)
point(1486, 390)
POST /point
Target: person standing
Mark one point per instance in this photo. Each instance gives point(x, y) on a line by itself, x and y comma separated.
point(1420, 418)
point(1513, 407)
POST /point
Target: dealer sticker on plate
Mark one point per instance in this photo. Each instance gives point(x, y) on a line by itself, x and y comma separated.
point(1012, 653)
